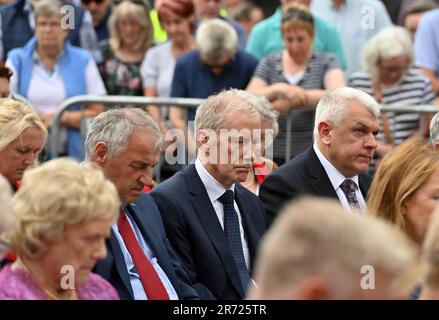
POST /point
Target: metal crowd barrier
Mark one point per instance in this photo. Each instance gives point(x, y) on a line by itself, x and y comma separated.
point(185, 103)
point(188, 103)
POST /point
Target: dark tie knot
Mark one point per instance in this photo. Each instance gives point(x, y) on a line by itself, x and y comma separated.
point(227, 198)
point(348, 186)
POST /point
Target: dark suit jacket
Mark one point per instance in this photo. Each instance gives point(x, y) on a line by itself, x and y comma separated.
point(113, 268)
point(196, 234)
point(303, 175)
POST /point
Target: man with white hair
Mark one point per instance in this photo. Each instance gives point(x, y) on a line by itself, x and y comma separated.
point(316, 250)
point(140, 263)
point(434, 131)
point(213, 222)
point(346, 124)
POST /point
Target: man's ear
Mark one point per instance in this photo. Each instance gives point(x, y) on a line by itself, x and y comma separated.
point(313, 288)
point(100, 153)
point(203, 139)
point(324, 129)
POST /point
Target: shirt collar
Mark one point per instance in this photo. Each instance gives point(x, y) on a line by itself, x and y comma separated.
point(213, 187)
point(335, 176)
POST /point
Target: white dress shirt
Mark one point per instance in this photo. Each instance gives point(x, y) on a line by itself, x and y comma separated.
point(337, 178)
point(215, 190)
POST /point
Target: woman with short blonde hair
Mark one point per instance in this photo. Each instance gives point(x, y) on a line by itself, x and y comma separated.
point(64, 213)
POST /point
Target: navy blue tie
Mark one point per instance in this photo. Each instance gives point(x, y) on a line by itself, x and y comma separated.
point(233, 235)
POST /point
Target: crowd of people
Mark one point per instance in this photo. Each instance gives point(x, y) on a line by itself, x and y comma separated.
point(294, 164)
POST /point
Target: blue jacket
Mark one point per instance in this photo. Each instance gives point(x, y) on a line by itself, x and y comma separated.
point(73, 62)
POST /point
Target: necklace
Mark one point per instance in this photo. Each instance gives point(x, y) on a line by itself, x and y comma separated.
point(71, 294)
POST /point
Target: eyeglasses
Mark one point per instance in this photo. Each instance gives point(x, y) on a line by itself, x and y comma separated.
point(392, 70)
point(90, 1)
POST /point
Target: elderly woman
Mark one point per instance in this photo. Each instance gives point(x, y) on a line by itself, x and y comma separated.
point(262, 167)
point(22, 137)
point(48, 70)
point(60, 235)
point(405, 188)
point(391, 80)
point(130, 38)
point(295, 79)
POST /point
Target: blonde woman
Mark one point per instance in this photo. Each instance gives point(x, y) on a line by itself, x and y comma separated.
point(131, 35)
point(64, 214)
point(405, 188)
point(22, 137)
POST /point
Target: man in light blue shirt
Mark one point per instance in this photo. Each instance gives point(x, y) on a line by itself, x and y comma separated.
point(427, 47)
point(266, 38)
point(356, 21)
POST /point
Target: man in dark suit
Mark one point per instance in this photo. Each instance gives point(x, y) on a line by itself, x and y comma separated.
point(335, 166)
point(140, 263)
point(214, 223)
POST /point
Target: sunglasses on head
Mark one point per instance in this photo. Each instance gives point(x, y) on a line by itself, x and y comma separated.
point(139, 2)
point(90, 1)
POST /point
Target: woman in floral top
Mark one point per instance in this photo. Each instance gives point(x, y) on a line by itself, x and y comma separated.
point(130, 37)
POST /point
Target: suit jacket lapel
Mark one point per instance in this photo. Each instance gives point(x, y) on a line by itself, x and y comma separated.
point(119, 262)
point(207, 215)
point(320, 181)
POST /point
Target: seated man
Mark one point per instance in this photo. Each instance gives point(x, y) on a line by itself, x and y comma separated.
point(316, 250)
point(213, 222)
point(140, 263)
point(345, 126)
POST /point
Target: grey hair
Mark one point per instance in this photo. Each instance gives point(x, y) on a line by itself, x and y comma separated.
point(434, 128)
point(48, 8)
point(215, 37)
point(388, 43)
point(333, 106)
point(115, 126)
point(7, 221)
point(211, 113)
point(266, 112)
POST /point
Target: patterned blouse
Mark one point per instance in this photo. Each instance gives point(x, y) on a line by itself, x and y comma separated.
point(120, 78)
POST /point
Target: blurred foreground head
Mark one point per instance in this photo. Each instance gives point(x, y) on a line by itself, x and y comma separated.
point(317, 250)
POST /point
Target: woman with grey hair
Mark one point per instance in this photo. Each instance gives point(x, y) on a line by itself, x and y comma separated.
point(262, 167)
point(131, 35)
point(391, 80)
point(48, 70)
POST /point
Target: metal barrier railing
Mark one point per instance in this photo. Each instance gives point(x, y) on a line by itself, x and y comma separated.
point(188, 103)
